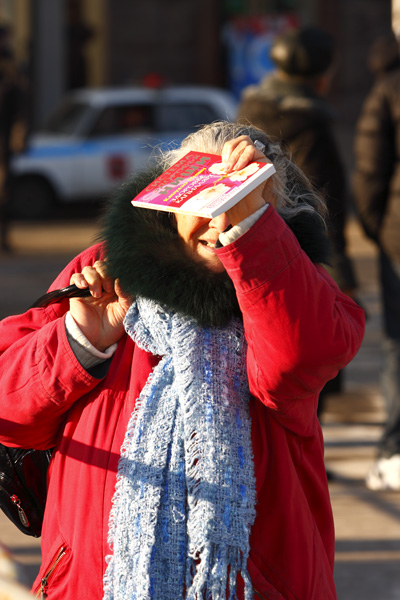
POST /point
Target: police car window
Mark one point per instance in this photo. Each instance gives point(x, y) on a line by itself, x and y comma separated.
point(124, 119)
point(67, 118)
point(184, 116)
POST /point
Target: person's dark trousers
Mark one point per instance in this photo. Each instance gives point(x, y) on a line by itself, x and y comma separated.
point(333, 386)
point(390, 289)
point(4, 243)
point(5, 209)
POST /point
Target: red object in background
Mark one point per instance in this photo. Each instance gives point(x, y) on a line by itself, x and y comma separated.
point(153, 80)
point(117, 166)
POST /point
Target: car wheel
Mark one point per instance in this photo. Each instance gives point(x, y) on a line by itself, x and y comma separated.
point(31, 197)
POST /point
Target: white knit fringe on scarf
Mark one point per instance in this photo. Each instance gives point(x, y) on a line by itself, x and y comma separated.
point(184, 501)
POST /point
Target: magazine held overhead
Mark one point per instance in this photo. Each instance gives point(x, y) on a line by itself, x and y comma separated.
point(198, 185)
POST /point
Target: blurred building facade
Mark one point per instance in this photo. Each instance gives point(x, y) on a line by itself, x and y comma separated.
point(115, 42)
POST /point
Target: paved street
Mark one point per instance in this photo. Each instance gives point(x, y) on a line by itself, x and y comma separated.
point(367, 523)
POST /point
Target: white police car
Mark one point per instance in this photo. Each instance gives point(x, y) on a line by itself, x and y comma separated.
point(99, 137)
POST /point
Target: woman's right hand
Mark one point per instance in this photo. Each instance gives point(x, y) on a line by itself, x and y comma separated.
point(237, 154)
point(99, 316)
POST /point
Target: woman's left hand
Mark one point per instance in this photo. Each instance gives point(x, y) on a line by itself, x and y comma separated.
point(99, 316)
point(236, 155)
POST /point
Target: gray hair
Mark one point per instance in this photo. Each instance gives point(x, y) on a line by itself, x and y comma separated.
point(292, 190)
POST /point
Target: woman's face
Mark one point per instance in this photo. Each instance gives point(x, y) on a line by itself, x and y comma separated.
point(200, 235)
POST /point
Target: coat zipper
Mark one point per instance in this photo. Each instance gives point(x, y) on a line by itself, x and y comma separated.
point(257, 593)
point(44, 584)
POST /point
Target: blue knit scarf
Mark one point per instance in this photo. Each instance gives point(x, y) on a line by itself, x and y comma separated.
point(184, 501)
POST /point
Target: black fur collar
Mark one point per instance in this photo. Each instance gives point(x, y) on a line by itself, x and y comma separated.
point(145, 252)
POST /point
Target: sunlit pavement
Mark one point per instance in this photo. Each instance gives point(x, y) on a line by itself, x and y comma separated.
point(367, 523)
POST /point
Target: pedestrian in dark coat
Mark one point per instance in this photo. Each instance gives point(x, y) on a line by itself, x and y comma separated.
point(12, 131)
point(377, 196)
point(290, 105)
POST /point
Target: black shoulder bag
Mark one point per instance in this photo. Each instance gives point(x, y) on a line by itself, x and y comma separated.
point(23, 472)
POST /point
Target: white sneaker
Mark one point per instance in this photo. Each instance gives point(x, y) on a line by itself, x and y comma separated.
point(384, 474)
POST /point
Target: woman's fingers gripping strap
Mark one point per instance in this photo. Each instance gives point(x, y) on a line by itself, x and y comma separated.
point(91, 277)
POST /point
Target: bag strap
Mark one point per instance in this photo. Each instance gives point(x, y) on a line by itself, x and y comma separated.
point(71, 291)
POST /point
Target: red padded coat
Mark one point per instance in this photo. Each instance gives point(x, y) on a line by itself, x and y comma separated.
point(300, 329)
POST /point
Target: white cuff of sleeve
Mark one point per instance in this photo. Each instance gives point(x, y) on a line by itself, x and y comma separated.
point(85, 352)
point(227, 237)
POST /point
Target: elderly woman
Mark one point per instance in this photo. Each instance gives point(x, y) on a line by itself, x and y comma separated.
point(181, 396)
